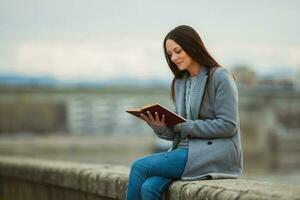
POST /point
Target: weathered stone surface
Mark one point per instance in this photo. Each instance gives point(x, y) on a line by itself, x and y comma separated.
point(122, 183)
point(174, 191)
point(24, 178)
point(228, 195)
point(84, 179)
point(190, 191)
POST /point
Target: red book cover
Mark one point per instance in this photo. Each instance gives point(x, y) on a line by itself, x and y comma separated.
point(171, 118)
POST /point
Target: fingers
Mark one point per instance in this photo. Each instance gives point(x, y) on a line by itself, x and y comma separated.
point(157, 117)
point(163, 118)
point(144, 117)
point(153, 120)
point(150, 116)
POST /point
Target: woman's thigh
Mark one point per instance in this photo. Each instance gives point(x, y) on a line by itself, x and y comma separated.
point(168, 164)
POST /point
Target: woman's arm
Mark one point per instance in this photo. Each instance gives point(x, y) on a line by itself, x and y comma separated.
point(165, 132)
point(226, 111)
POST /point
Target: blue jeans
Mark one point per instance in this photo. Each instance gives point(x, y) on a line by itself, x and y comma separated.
point(151, 175)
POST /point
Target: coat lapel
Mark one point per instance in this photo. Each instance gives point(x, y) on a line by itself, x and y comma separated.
point(198, 92)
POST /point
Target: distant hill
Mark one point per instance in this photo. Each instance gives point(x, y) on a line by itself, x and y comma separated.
point(24, 80)
point(46, 81)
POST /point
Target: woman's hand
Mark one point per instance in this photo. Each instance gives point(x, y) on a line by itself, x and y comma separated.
point(154, 121)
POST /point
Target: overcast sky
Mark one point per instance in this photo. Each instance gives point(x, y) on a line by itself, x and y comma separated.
point(96, 40)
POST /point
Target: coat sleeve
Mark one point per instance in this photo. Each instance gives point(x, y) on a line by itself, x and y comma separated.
point(165, 132)
point(226, 111)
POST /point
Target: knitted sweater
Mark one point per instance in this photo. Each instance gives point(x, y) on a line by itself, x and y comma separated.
point(191, 81)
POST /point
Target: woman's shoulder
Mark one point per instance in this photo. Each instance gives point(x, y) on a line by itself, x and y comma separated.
point(223, 78)
point(222, 74)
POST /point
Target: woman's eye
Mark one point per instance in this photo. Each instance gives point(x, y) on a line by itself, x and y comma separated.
point(178, 51)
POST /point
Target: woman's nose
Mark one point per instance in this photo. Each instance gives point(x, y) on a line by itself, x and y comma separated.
point(174, 58)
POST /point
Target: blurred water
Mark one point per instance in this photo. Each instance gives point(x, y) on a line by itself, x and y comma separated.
point(270, 126)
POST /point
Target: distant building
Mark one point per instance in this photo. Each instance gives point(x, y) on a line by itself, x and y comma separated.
point(244, 76)
point(297, 80)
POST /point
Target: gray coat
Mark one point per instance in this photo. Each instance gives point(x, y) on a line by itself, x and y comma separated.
point(214, 146)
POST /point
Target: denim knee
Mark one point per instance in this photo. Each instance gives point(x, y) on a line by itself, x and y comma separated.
point(150, 190)
point(137, 166)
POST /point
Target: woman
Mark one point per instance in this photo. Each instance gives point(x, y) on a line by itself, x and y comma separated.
point(207, 145)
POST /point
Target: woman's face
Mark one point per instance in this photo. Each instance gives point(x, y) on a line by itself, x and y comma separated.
point(178, 55)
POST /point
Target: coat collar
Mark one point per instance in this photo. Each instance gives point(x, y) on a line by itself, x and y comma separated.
point(197, 91)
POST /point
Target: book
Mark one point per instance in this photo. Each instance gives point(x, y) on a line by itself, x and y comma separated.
point(171, 118)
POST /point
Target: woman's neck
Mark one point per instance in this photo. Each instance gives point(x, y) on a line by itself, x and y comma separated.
point(194, 69)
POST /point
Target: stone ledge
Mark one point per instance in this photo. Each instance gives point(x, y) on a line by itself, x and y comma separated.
point(111, 181)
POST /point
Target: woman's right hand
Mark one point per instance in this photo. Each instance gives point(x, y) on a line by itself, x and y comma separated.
point(154, 121)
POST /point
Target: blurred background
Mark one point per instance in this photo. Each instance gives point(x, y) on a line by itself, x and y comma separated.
point(70, 69)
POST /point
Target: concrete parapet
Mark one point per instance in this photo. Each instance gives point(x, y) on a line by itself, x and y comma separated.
point(27, 178)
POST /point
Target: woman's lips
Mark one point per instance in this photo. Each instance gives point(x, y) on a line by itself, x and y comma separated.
point(179, 63)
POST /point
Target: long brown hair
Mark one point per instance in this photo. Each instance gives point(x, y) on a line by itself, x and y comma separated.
point(190, 41)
